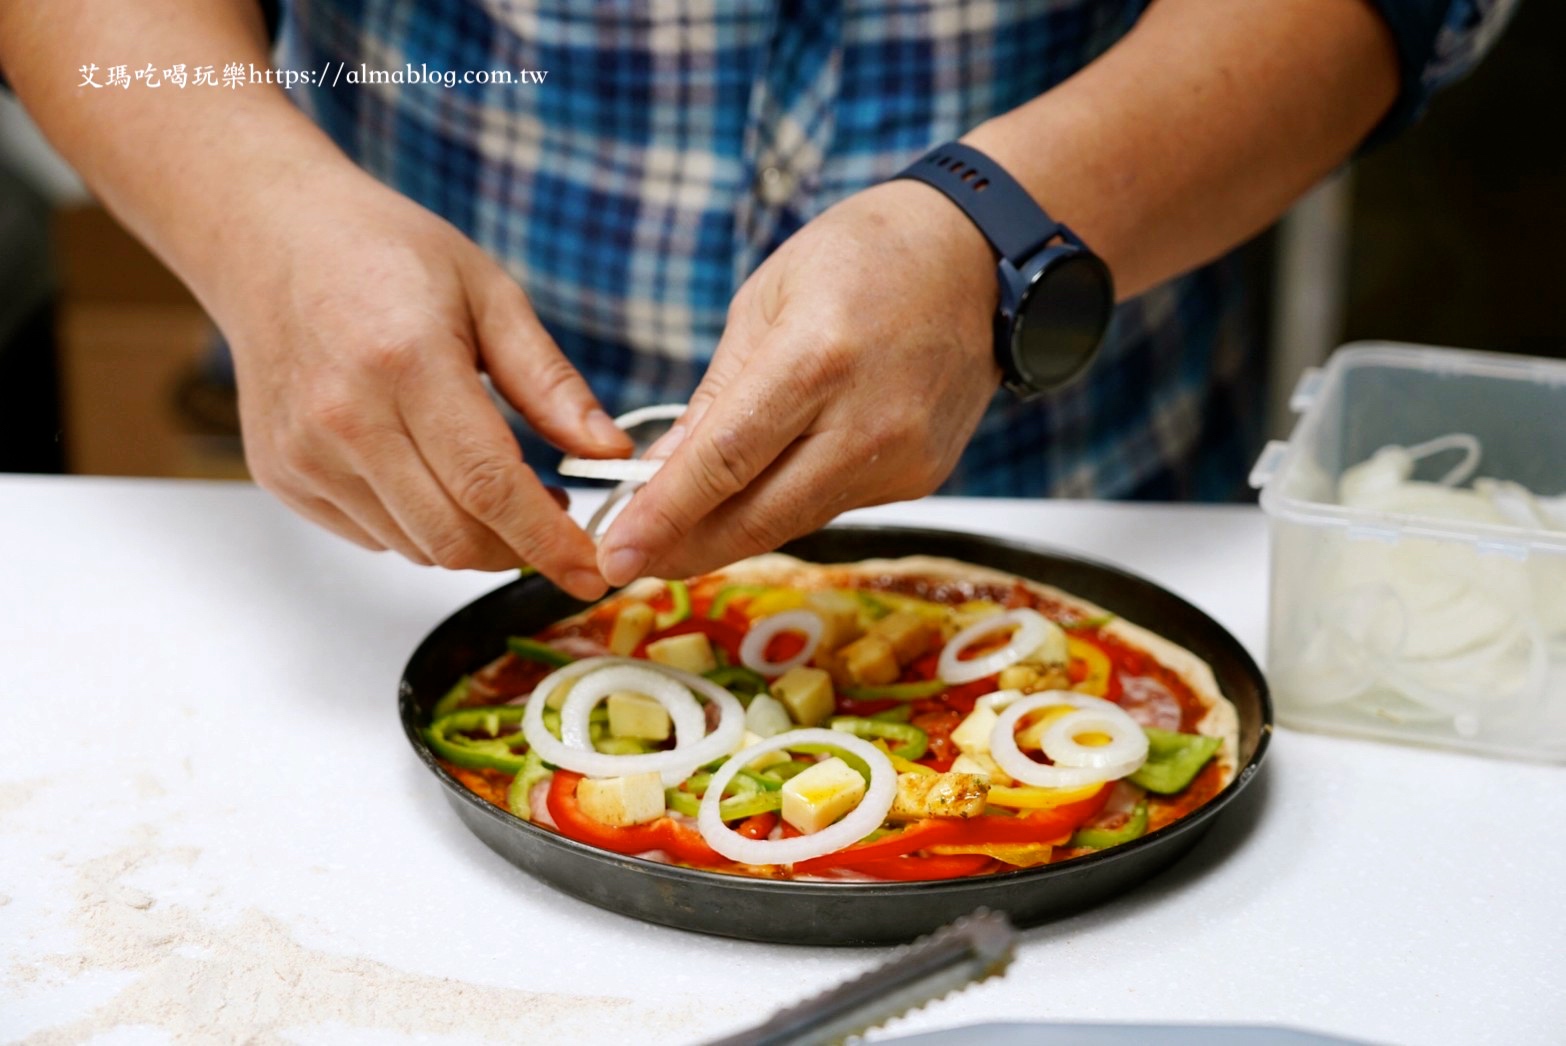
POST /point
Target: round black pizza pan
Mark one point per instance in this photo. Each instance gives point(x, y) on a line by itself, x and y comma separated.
point(839, 913)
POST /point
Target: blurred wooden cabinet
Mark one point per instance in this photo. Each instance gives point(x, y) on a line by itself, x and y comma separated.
point(128, 333)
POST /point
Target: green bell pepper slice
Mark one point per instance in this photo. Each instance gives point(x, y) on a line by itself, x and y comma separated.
point(1087, 624)
point(811, 748)
point(895, 714)
point(682, 802)
point(739, 681)
point(732, 809)
point(727, 594)
point(916, 691)
point(1173, 760)
point(873, 608)
point(533, 650)
point(908, 741)
point(533, 771)
point(1103, 838)
point(452, 698)
point(783, 771)
point(677, 613)
point(448, 737)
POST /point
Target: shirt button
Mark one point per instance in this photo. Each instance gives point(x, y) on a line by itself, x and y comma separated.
point(776, 186)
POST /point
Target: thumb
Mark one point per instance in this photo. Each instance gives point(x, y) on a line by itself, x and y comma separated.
point(534, 376)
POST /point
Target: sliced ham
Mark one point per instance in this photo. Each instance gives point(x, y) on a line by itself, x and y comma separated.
point(579, 646)
point(1149, 702)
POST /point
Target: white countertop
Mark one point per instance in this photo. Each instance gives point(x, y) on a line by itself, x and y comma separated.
point(211, 826)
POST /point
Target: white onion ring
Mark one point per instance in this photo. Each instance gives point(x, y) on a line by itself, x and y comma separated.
point(1004, 750)
point(855, 825)
point(1032, 629)
point(674, 765)
point(1127, 743)
point(604, 514)
point(753, 650)
point(634, 470)
point(689, 720)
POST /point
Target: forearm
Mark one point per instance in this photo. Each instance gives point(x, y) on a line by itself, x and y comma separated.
point(1200, 128)
point(180, 167)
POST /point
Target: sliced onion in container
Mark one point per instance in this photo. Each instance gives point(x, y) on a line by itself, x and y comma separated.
point(1004, 750)
point(1127, 743)
point(1032, 629)
point(674, 765)
point(753, 650)
point(854, 826)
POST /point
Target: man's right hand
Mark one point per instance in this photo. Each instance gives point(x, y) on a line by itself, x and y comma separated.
point(360, 323)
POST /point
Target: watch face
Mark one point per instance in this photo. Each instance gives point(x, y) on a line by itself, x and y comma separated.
point(1061, 317)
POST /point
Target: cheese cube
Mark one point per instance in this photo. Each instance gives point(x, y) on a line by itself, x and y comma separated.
point(839, 613)
point(816, 798)
point(622, 801)
point(869, 661)
point(983, 765)
point(637, 715)
point(908, 633)
point(557, 696)
point(806, 693)
point(631, 626)
point(691, 652)
point(1054, 649)
point(760, 762)
point(952, 794)
point(1021, 676)
point(973, 733)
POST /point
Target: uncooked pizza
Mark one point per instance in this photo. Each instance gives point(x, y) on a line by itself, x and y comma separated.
point(885, 720)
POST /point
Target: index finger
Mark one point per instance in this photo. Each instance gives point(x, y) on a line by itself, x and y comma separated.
point(472, 453)
point(761, 411)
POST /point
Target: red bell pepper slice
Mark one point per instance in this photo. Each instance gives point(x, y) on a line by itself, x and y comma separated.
point(680, 841)
point(1053, 826)
point(758, 827)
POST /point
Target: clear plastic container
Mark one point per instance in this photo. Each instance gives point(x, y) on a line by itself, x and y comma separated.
point(1409, 626)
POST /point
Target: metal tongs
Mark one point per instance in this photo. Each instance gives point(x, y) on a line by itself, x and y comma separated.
point(972, 949)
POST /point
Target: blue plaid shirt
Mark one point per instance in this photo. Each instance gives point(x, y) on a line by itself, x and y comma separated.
point(673, 146)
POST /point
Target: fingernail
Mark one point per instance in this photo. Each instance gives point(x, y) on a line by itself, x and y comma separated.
point(664, 445)
point(624, 565)
point(604, 430)
point(585, 584)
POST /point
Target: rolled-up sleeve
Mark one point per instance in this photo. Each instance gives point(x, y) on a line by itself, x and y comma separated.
point(1438, 43)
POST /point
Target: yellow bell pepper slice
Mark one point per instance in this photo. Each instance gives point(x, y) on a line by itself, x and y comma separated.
point(1096, 663)
point(774, 601)
point(1028, 797)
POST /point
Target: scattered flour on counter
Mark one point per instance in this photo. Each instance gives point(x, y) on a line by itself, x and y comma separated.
point(149, 787)
point(16, 794)
point(253, 982)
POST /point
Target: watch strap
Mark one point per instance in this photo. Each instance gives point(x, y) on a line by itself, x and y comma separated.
point(1009, 218)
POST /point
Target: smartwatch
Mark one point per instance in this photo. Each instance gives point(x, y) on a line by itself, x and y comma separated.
point(1056, 295)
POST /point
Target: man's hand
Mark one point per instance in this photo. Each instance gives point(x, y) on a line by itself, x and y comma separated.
point(359, 323)
point(856, 364)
